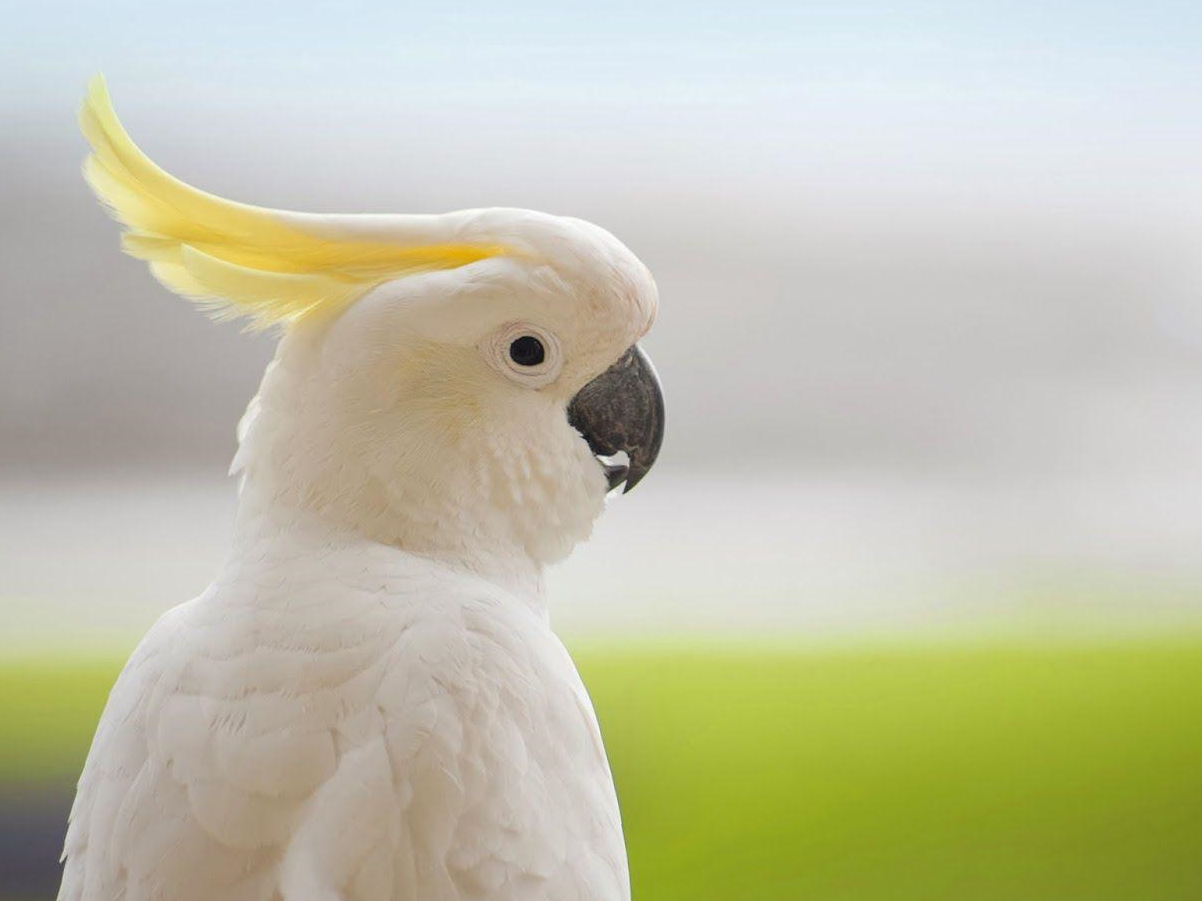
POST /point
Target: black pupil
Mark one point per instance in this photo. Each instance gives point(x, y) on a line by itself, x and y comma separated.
point(526, 351)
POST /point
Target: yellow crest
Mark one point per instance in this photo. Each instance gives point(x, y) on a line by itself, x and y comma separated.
point(235, 259)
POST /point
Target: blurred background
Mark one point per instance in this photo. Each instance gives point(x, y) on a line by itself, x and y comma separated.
point(911, 606)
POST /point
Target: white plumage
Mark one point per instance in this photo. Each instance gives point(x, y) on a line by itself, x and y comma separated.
point(333, 718)
point(368, 702)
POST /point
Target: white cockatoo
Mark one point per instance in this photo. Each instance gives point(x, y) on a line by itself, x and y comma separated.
point(368, 701)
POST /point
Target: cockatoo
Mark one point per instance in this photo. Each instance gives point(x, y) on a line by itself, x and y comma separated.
point(368, 701)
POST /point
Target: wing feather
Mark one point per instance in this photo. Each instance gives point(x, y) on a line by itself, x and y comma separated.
point(422, 736)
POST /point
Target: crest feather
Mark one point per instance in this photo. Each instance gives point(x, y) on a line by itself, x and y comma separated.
point(239, 260)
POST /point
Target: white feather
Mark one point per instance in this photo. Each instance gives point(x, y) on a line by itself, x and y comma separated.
point(421, 736)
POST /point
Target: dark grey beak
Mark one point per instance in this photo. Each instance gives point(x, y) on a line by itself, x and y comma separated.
point(623, 409)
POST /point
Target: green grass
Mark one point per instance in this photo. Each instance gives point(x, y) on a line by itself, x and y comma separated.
point(907, 774)
point(49, 712)
point(1067, 772)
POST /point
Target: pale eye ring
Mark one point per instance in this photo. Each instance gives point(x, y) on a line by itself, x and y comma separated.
point(525, 353)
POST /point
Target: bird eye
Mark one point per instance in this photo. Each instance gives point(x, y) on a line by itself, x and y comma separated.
point(528, 354)
point(527, 351)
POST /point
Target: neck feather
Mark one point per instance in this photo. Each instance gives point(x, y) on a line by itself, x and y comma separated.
point(272, 521)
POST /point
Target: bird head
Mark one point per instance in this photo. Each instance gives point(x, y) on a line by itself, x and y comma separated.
point(466, 409)
point(456, 385)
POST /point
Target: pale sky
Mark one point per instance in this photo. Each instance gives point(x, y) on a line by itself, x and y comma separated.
point(929, 272)
point(913, 235)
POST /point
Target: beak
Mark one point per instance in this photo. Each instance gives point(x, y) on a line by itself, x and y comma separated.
point(622, 409)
